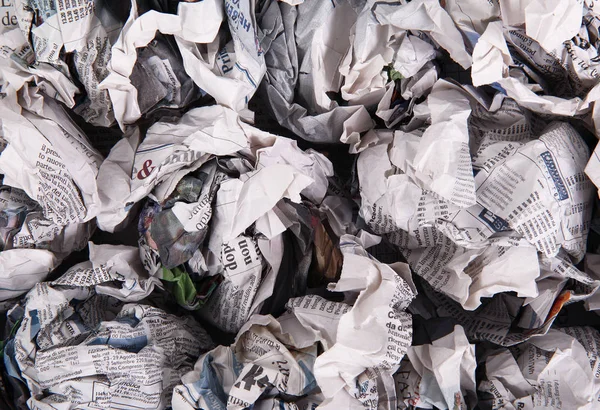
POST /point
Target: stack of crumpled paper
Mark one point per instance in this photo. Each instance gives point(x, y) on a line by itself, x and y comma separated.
point(299, 204)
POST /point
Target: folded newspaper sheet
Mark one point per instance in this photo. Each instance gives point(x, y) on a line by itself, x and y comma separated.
point(299, 204)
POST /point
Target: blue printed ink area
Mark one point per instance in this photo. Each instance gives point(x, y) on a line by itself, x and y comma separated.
point(209, 387)
point(35, 324)
point(495, 223)
point(133, 345)
point(232, 8)
point(561, 189)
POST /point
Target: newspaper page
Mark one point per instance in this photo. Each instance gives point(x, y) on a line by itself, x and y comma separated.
point(305, 39)
point(76, 345)
point(529, 377)
point(377, 317)
point(434, 365)
point(168, 152)
point(312, 318)
point(555, 214)
point(66, 189)
point(263, 362)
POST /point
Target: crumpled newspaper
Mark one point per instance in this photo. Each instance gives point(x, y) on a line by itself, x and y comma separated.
point(272, 357)
point(262, 364)
point(536, 373)
point(432, 358)
point(218, 215)
point(89, 338)
point(299, 204)
point(49, 190)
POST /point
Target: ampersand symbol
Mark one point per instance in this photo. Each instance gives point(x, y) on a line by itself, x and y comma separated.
point(146, 169)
